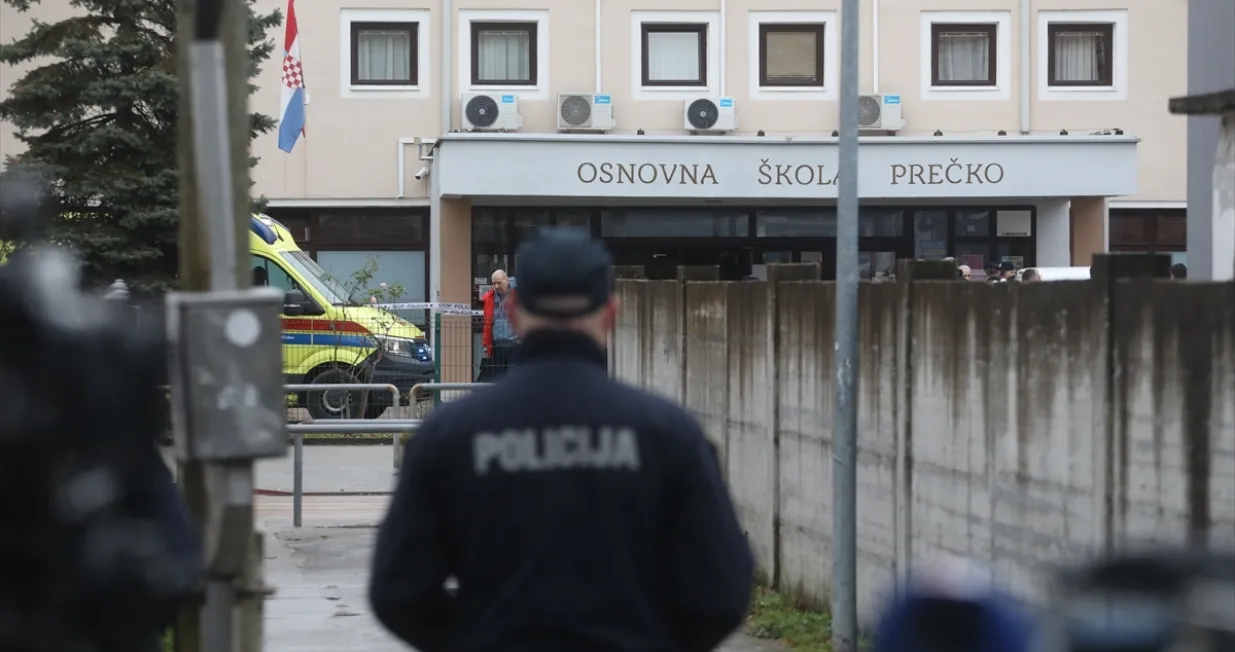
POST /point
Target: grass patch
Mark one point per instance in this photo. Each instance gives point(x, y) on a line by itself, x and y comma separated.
point(776, 617)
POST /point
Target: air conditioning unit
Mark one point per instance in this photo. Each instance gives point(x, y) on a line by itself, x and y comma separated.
point(880, 113)
point(485, 112)
point(709, 115)
point(584, 112)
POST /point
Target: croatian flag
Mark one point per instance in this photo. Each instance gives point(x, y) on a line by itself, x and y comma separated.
point(291, 118)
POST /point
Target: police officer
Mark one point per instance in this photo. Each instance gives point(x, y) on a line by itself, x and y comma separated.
point(575, 512)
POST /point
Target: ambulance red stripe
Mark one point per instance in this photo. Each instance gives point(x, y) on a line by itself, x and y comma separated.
point(324, 325)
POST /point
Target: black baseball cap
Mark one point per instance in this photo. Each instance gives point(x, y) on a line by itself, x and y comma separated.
point(1007, 266)
point(564, 273)
point(992, 266)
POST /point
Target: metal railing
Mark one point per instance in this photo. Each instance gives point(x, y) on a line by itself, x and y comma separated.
point(396, 427)
point(432, 388)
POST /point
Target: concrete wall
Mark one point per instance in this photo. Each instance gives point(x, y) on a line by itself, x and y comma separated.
point(1017, 424)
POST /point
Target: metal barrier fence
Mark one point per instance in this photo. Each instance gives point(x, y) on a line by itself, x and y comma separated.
point(457, 347)
point(395, 427)
point(436, 389)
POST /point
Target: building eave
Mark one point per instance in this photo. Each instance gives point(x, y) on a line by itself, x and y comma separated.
point(787, 140)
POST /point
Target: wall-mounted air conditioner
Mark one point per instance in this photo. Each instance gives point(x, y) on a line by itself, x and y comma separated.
point(491, 112)
point(880, 113)
point(709, 115)
point(584, 112)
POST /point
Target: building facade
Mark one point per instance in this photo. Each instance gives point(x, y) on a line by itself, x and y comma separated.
point(1032, 130)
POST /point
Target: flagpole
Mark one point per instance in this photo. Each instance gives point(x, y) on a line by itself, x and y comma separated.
point(304, 133)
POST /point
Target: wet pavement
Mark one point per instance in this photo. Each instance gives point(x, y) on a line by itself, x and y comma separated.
point(333, 469)
point(320, 573)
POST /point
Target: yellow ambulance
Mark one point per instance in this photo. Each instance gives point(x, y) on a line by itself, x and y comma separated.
point(332, 334)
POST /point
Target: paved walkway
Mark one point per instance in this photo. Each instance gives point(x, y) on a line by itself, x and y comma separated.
point(320, 572)
point(333, 469)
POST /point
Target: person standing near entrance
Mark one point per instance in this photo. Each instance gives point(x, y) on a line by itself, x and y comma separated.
point(500, 340)
point(992, 272)
point(1007, 271)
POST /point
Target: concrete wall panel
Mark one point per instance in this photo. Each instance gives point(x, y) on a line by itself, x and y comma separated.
point(661, 337)
point(804, 358)
point(707, 360)
point(751, 460)
point(624, 360)
point(1173, 445)
point(877, 431)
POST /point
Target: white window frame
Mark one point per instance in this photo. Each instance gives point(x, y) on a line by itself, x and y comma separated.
point(1118, 90)
point(831, 55)
point(709, 18)
point(423, 48)
point(539, 16)
point(1002, 90)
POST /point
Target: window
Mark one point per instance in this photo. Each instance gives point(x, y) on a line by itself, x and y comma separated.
point(796, 223)
point(1080, 54)
point(930, 235)
point(791, 54)
point(674, 223)
point(384, 54)
point(875, 222)
point(573, 219)
point(361, 227)
point(526, 223)
point(1148, 231)
point(675, 54)
point(504, 54)
point(964, 54)
point(269, 274)
point(973, 224)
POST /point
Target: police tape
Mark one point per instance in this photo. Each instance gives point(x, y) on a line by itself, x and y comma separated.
point(434, 306)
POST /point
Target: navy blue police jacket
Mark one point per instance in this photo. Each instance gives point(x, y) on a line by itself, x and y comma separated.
point(577, 514)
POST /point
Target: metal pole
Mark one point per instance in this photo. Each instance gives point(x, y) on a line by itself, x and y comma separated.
point(297, 476)
point(845, 417)
point(218, 113)
point(437, 359)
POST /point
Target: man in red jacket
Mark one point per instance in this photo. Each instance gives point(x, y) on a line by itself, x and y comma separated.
point(499, 337)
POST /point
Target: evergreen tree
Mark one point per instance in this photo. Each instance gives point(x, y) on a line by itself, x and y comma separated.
point(98, 115)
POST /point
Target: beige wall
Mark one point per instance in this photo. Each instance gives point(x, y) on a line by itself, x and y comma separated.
point(1089, 229)
point(352, 146)
point(456, 251)
point(14, 25)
